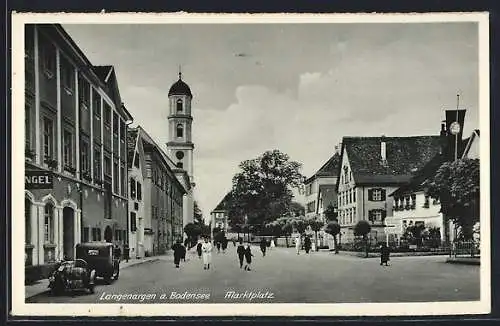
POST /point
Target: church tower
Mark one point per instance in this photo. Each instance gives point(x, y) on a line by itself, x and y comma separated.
point(180, 145)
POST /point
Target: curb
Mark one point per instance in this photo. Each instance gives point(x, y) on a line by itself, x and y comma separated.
point(466, 261)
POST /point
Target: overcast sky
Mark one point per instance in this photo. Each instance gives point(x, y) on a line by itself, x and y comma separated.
point(298, 88)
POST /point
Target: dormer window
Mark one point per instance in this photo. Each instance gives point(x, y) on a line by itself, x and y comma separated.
point(180, 131)
point(179, 105)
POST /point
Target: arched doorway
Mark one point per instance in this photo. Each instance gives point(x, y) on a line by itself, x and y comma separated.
point(68, 232)
point(108, 234)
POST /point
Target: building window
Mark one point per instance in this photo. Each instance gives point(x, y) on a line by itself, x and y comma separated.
point(354, 195)
point(96, 234)
point(132, 188)
point(116, 178)
point(83, 91)
point(67, 74)
point(116, 123)
point(139, 191)
point(179, 105)
point(413, 201)
point(85, 156)
point(180, 131)
point(85, 234)
point(68, 150)
point(123, 183)
point(97, 164)
point(48, 53)
point(346, 173)
point(107, 165)
point(27, 221)
point(376, 194)
point(48, 138)
point(49, 223)
point(123, 128)
point(136, 161)
point(27, 126)
point(426, 203)
point(96, 106)
point(133, 226)
point(107, 114)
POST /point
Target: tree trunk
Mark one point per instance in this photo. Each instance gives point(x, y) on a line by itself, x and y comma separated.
point(366, 245)
point(286, 240)
point(316, 240)
point(335, 244)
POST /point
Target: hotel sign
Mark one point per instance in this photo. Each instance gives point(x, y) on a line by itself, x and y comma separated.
point(38, 180)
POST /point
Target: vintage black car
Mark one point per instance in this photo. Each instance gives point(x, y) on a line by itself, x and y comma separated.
point(101, 257)
point(72, 275)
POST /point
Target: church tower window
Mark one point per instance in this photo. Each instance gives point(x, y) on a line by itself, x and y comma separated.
point(179, 105)
point(180, 131)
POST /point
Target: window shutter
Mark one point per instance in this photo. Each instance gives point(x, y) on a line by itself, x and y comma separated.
point(370, 194)
point(382, 196)
point(370, 214)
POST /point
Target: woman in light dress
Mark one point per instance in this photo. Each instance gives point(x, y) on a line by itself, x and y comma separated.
point(272, 244)
point(206, 250)
point(297, 244)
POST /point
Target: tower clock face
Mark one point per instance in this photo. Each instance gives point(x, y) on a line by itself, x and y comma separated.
point(179, 155)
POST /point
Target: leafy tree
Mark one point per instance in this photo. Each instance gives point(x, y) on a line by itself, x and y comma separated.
point(262, 190)
point(362, 228)
point(456, 185)
point(316, 224)
point(333, 228)
point(198, 214)
point(193, 231)
point(297, 209)
point(331, 213)
point(299, 224)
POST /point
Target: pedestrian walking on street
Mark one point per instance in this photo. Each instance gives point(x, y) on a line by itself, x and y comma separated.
point(126, 252)
point(241, 253)
point(272, 244)
point(307, 244)
point(224, 244)
point(179, 251)
point(206, 248)
point(263, 246)
point(384, 254)
point(248, 257)
point(198, 248)
point(297, 244)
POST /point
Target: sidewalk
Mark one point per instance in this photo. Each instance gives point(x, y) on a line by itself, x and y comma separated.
point(42, 285)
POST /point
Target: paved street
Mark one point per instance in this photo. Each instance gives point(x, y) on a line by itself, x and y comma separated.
point(315, 278)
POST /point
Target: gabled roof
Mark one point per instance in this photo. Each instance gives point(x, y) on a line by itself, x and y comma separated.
point(470, 140)
point(223, 204)
point(103, 72)
point(416, 182)
point(404, 156)
point(330, 168)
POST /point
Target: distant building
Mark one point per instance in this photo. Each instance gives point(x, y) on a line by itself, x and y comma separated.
point(75, 150)
point(371, 169)
point(320, 188)
point(157, 188)
point(219, 217)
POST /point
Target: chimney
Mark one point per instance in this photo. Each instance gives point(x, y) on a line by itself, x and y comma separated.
point(443, 138)
point(383, 150)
